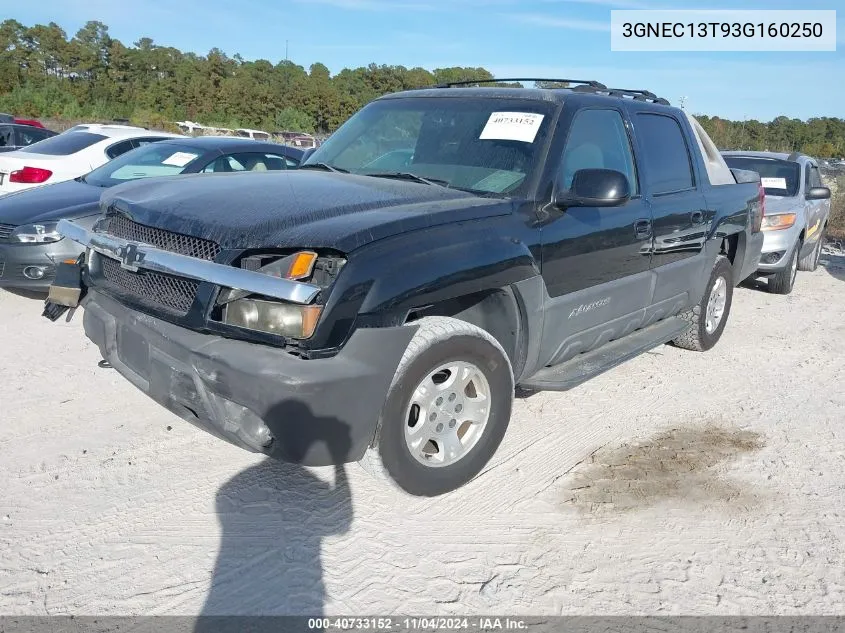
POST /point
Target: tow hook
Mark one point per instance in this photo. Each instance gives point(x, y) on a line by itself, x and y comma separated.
point(66, 291)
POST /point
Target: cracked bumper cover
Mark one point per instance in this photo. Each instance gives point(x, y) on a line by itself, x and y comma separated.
point(319, 412)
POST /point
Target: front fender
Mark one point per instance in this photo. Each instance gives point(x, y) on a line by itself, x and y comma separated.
point(382, 283)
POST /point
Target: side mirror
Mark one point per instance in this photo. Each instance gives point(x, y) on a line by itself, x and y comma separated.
point(595, 188)
point(818, 193)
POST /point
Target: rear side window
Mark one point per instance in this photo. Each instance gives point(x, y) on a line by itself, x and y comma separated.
point(665, 154)
point(119, 148)
point(64, 144)
point(28, 136)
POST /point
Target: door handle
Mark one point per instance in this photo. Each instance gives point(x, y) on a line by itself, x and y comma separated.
point(697, 217)
point(642, 228)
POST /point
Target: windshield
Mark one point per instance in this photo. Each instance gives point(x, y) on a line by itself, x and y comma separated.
point(475, 144)
point(153, 159)
point(778, 177)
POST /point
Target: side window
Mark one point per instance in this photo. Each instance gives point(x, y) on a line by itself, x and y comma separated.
point(140, 142)
point(598, 140)
point(7, 137)
point(28, 137)
point(119, 148)
point(246, 161)
point(665, 153)
point(813, 176)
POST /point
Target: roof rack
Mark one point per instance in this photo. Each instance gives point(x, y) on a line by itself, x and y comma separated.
point(637, 95)
point(587, 82)
point(582, 85)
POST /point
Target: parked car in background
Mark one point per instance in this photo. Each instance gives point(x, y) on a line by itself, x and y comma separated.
point(14, 136)
point(537, 238)
point(30, 247)
point(258, 135)
point(70, 154)
point(796, 215)
point(8, 118)
point(297, 139)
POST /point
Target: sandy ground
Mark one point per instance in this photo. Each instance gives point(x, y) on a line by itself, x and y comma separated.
point(679, 483)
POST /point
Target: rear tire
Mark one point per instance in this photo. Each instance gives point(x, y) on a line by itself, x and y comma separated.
point(811, 261)
point(446, 411)
point(783, 282)
point(707, 319)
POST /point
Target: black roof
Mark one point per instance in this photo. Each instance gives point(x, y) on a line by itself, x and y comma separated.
point(232, 144)
point(554, 95)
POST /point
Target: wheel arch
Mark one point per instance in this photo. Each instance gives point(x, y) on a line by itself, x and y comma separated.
point(501, 312)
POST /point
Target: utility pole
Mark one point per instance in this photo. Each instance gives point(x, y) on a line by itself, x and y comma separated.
point(286, 51)
point(683, 102)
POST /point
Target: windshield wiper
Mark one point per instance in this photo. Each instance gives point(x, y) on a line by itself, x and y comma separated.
point(324, 167)
point(406, 175)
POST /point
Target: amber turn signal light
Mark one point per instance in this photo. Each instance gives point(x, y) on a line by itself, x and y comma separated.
point(302, 265)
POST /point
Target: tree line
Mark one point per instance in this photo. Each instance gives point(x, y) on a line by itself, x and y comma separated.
point(45, 73)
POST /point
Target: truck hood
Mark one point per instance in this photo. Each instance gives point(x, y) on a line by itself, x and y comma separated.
point(307, 209)
point(50, 203)
point(781, 204)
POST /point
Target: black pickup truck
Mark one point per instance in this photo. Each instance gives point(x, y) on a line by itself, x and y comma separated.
point(445, 247)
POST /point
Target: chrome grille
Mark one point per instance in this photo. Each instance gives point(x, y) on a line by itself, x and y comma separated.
point(168, 291)
point(6, 231)
point(121, 226)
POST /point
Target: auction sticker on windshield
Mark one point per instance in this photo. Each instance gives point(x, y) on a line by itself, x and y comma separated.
point(179, 159)
point(512, 126)
point(773, 183)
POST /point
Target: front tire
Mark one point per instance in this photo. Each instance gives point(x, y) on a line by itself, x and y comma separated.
point(707, 319)
point(811, 261)
point(446, 411)
point(783, 282)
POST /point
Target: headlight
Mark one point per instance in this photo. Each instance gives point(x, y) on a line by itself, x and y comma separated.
point(284, 319)
point(290, 320)
point(36, 233)
point(778, 222)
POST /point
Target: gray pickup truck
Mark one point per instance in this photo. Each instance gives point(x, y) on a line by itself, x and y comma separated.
point(797, 210)
point(442, 248)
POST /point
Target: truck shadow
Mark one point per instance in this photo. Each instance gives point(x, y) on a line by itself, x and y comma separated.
point(37, 295)
point(273, 517)
point(834, 265)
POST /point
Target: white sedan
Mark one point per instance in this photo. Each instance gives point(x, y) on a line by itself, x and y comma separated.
point(70, 154)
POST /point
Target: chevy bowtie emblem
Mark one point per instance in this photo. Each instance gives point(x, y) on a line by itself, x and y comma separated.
point(130, 258)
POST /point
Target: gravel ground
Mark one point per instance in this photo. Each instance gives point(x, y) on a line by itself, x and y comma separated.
point(679, 483)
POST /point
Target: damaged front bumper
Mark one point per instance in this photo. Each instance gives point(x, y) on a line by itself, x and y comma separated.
point(263, 399)
point(259, 397)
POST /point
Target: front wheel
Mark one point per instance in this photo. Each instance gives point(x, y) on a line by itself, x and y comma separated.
point(783, 282)
point(707, 319)
point(446, 411)
point(810, 262)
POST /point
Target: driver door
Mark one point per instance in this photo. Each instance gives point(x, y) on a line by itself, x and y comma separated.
point(595, 260)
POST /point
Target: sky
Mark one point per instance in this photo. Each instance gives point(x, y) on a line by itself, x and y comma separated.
point(545, 38)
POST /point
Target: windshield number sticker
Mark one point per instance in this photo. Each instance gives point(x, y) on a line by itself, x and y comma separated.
point(512, 126)
point(773, 183)
point(179, 159)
